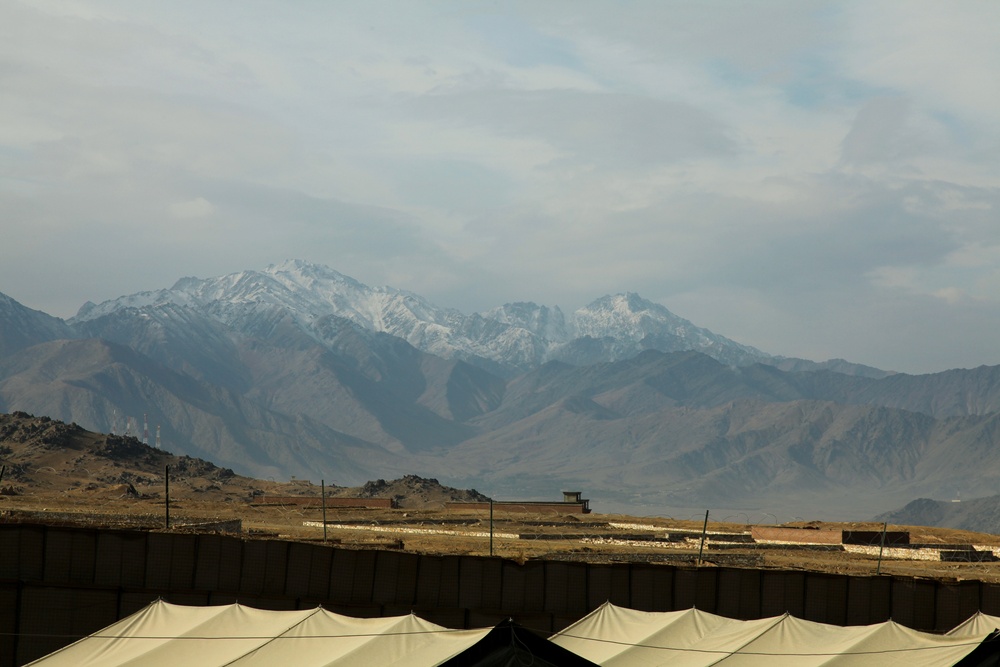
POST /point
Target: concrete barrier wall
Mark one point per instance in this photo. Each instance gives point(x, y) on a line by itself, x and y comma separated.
point(891, 538)
point(341, 502)
point(779, 535)
point(783, 535)
point(61, 583)
point(514, 506)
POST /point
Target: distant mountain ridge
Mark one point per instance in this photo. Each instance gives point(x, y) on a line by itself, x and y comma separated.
point(507, 339)
point(23, 327)
point(300, 370)
point(975, 514)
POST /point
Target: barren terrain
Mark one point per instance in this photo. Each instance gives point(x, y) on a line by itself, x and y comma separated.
point(55, 472)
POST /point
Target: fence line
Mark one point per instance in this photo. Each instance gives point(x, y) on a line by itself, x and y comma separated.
point(61, 582)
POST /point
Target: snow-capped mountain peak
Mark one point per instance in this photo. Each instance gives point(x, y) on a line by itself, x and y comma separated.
point(628, 315)
point(516, 336)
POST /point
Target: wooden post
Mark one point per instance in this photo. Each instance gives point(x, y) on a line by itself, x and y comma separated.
point(878, 570)
point(322, 490)
point(166, 493)
point(704, 529)
point(491, 526)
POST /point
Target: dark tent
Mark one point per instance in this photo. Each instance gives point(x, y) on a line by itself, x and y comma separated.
point(512, 645)
point(987, 654)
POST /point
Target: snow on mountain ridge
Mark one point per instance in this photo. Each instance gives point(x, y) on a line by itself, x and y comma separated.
point(139, 300)
point(309, 292)
point(517, 336)
point(549, 323)
point(628, 316)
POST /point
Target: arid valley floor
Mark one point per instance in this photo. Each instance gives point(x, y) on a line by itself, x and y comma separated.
point(60, 473)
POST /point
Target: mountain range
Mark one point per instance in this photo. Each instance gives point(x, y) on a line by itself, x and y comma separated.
point(298, 370)
point(980, 515)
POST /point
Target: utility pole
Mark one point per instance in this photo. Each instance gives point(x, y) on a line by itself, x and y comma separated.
point(166, 493)
point(704, 530)
point(322, 491)
point(878, 570)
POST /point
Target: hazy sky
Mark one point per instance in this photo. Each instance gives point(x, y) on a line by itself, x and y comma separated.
point(816, 179)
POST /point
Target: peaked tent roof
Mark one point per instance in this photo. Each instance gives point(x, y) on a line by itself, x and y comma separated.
point(164, 634)
point(619, 637)
point(239, 636)
point(978, 624)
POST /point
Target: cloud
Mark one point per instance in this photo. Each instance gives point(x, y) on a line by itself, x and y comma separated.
point(589, 127)
point(818, 178)
point(876, 135)
point(193, 208)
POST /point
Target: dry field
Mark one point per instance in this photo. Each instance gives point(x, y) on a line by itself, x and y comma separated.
point(430, 528)
point(58, 473)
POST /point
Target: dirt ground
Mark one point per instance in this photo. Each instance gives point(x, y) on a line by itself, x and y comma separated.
point(59, 473)
point(568, 537)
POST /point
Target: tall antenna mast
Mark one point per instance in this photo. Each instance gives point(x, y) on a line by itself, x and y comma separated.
point(157, 436)
point(145, 430)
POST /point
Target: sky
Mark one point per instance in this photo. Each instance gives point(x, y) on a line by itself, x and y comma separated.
point(816, 179)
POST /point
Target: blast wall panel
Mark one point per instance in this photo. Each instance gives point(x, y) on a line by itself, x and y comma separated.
point(58, 583)
point(298, 569)
point(275, 566)
point(782, 592)
point(651, 587)
point(319, 573)
point(989, 598)
point(607, 583)
point(9, 612)
point(429, 576)
point(120, 559)
point(253, 567)
point(209, 559)
point(231, 550)
point(956, 602)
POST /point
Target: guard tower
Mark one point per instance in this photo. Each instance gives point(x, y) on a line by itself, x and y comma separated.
point(574, 497)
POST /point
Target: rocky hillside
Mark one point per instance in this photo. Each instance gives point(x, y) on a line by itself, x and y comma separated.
point(43, 455)
point(412, 491)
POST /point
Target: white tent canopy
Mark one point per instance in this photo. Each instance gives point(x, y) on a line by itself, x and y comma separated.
point(164, 634)
point(619, 637)
point(978, 625)
point(181, 636)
